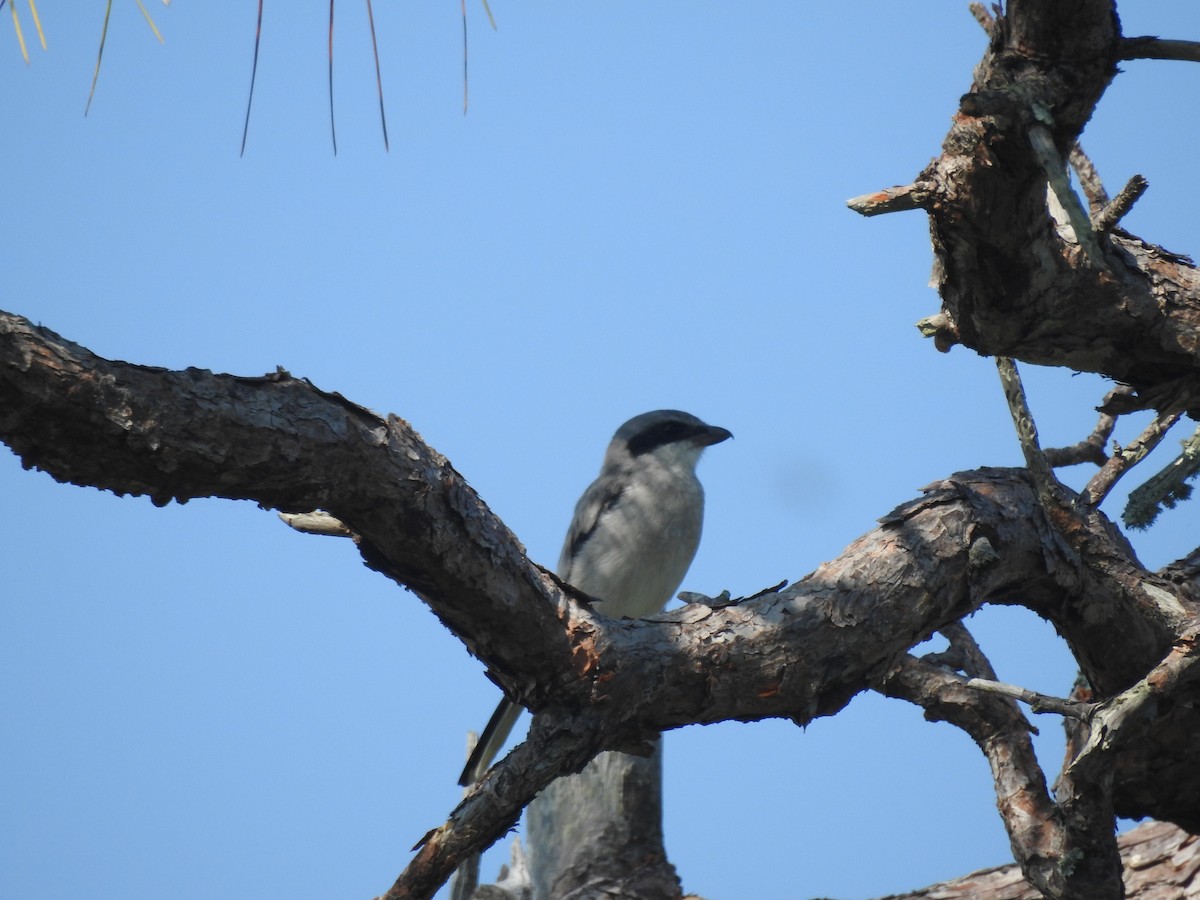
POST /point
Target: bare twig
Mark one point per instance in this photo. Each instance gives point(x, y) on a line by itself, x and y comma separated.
point(1125, 458)
point(1049, 487)
point(1157, 48)
point(1123, 718)
point(982, 16)
point(1165, 488)
point(1089, 178)
point(1112, 213)
point(1039, 703)
point(896, 199)
point(967, 656)
point(1091, 448)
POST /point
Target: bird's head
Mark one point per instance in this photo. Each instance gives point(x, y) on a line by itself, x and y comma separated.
point(674, 438)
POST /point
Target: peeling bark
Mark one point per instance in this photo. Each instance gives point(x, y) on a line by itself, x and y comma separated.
point(1160, 862)
point(1023, 270)
point(597, 684)
point(1014, 281)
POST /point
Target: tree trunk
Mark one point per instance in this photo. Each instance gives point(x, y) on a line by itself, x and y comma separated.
point(599, 833)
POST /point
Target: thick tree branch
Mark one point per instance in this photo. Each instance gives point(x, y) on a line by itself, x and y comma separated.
point(1159, 860)
point(1012, 283)
point(1040, 832)
point(799, 653)
point(557, 744)
point(285, 444)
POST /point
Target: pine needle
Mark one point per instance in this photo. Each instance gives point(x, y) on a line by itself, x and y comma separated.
point(253, 75)
point(378, 76)
point(464, 20)
point(37, 23)
point(99, 56)
point(149, 21)
point(20, 35)
point(332, 127)
point(487, 9)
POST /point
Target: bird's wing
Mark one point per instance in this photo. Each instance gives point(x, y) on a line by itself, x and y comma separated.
point(600, 497)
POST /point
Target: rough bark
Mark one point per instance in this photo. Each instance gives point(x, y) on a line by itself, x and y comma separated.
point(802, 652)
point(599, 833)
point(1160, 862)
point(1014, 281)
point(1021, 273)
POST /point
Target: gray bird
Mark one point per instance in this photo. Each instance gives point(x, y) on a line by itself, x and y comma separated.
point(635, 531)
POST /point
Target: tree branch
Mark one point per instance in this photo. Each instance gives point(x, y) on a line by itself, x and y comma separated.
point(1091, 448)
point(1157, 48)
point(1159, 859)
point(1123, 459)
point(1106, 219)
point(895, 199)
point(801, 652)
point(1040, 836)
point(1050, 489)
point(1089, 178)
point(1039, 703)
point(1011, 284)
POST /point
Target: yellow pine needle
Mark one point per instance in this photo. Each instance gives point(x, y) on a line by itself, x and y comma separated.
point(37, 23)
point(20, 35)
point(149, 21)
point(99, 56)
point(487, 9)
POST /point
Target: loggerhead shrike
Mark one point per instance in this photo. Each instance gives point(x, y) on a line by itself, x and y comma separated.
point(635, 531)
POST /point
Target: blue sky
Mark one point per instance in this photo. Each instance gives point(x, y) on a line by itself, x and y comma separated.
point(644, 207)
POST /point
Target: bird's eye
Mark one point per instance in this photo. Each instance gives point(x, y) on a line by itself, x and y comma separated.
point(659, 435)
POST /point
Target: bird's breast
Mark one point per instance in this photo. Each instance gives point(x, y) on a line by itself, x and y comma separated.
point(640, 550)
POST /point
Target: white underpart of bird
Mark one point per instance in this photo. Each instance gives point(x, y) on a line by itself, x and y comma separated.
point(634, 534)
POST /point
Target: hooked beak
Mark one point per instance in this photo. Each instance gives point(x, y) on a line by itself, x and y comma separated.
point(714, 434)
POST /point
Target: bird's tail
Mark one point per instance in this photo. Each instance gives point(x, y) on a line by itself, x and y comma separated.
point(499, 726)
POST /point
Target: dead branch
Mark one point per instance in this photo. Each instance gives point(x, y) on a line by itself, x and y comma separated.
point(801, 652)
point(1091, 448)
point(1012, 285)
point(1123, 459)
point(1157, 48)
point(1039, 833)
